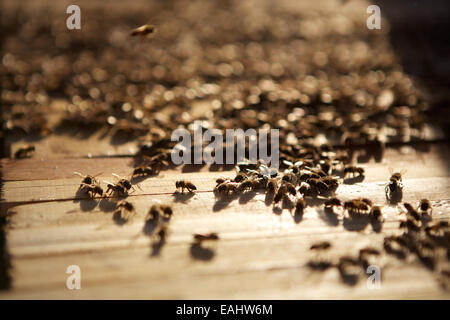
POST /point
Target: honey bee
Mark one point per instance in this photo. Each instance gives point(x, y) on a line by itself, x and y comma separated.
point(126, 183)
point(425, 206)
point(145, 30)
point(376, 213)
point(24, 152)
point(162, 234)
point(272, 185)
point(92, 189)
point(330, 204)
point(358, 206)
point(226, 187)
point(182, 184)
point(240, 177)
point(204, 237)
point(153, 214)
point(394, 189)
point(126, 208)
point(87, 179)
point(167, 211)
point(300, 206)
point(411, 211)
point(143, 171)
point(115, 189)
point(354, 171)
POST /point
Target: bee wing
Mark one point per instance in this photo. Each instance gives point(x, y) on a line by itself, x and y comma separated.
point(107, 182)
point(116, 176)
point(287, 162)
point(403, 171)
point(78, 174)
point(391, 170)
point(97, 174)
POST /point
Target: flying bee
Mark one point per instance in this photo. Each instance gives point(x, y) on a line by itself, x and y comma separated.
point(145, 30)
point(127, 209)
point(182, 184)
point(167, 211)
point(92, 189)
point(205, 237)
point(349, 269)
point(162, 234)
point(88, 179)
point(425, 206)
point(394, 189)
point(24, 152)
point(354, 171)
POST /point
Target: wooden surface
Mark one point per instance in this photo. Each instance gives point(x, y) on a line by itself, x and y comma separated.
point(261, 253)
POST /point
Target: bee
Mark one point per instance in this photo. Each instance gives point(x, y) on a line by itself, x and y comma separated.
point(204, 237)
point(290, 188)
point(167, 211)
point(281, 193)
point(92, 189)
point(24, 152)
point(126, 208)
point(425, 206)
point(330, 204)
point(272, 185)
point(87, 179)
point(354, 171)
point(412, 212)
point(376, 214)
point(126, 183)
point(358, 206)
point(394, 189)
point(143, 171)
point(115, 189)
point(248, 184)
point(182, 184)
point(154, 213)
point(300, 206)
point(226, 187)
point(321, 246)
point(396, 245)
point(145, 30)
point(240, 177)
point(162, 234)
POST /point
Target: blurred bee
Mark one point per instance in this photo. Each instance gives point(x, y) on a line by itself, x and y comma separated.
point(354, 171)
point(320, 246)
point(126, 209)
point(205, 237)
point(358, 206)
point(115, 189)
point(154, 213)
point(300, 206)
point(376, 213)
point(425, 206)
point(145, 30)
point(182, 184)
point(364, 256)
point(24, 152)
point(144, 170)
point(412, 212)
point(330, 204)
point(126, 183)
